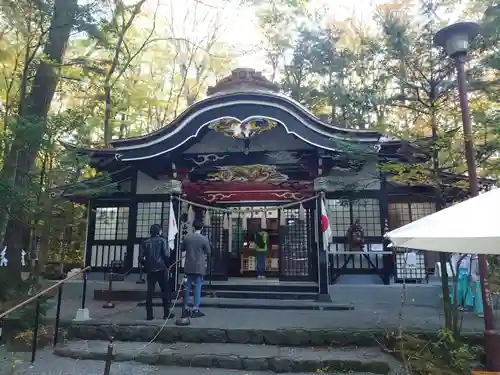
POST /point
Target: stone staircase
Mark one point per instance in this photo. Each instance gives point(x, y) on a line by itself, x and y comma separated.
point(189, 350)
point(271, 358)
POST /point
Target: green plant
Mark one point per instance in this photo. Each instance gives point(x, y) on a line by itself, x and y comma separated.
point(13, 367)
point(23, 318)
point(27, 335)
point(440, 355)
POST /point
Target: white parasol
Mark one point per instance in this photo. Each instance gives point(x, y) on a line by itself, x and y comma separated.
point(472, 226)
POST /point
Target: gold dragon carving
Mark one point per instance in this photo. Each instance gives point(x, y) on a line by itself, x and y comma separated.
point(253, 173)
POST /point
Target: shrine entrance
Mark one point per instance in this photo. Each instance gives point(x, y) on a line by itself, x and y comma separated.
point(291, 253)
point(244, 159)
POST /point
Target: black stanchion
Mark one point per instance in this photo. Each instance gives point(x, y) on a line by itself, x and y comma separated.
point(109, 357)
point(211, 263)
point(84, 291)
point(58, 314)
point(109, 304)
point(35, 330)
point(185, 318)
point(141, 276)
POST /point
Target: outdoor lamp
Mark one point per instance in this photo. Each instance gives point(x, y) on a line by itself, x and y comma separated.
point(455, 40)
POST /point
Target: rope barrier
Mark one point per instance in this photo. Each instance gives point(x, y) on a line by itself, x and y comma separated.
point(183, 285)
point(227, 211)
point(167, 319)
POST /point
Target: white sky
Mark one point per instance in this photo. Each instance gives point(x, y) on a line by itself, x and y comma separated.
point(193, 20)
point(244, 29)
point(240, 24)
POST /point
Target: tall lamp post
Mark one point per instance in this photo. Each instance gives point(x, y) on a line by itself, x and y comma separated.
point(455, 40)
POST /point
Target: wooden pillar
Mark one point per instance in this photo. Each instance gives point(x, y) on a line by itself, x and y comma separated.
point(388, 260)
point(91, 217)
point(132, 222)
point(323, 277)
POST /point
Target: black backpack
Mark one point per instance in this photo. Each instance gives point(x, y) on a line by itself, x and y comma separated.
point(259, 241)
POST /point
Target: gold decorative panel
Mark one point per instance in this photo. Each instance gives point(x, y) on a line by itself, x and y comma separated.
point(245, 129)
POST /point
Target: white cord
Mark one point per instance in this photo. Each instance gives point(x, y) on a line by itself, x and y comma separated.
point(168, 317)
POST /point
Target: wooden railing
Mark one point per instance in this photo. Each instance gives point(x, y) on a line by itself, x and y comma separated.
point(37, 297)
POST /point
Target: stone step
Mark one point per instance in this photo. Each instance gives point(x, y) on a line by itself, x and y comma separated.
point(141, 330)
point(48, 364)
point(260, 304)
point(278, 359)
point(140, 295)
point(304, 296)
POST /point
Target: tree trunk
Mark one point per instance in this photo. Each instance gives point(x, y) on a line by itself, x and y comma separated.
point(32, 127)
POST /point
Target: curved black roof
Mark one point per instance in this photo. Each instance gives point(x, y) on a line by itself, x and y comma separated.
point(194, 121)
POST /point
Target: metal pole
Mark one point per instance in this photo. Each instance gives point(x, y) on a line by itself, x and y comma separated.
point(109, 357)
point(109, 304)
point(210, 261)
point(58, 313)
point(184, 320)
point(35, 331)
point(491, 337)
point(84, 291)
point(141, 276)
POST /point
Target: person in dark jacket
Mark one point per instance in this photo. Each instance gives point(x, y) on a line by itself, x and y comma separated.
point(197, 248)
point(154, 255)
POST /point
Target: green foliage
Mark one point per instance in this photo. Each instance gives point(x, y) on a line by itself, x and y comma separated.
point(443, 355)
point(23, 318)
point(330, 69)
point(423, 355)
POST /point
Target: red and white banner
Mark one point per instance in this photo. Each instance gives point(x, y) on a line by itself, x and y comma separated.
point(325, 227)
point(172, 227)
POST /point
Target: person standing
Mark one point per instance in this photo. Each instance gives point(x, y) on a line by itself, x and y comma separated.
point(197, 249)
point(154, 255)
point(261, 242)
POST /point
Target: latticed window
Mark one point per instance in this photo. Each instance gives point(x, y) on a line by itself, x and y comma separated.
point(295, 247)
point(110, 236)
point(404, 213)
point(149, 213)
point(111, 223)
point(238, 235)
point(339, 215)
point(368, 213)
point(343, 212)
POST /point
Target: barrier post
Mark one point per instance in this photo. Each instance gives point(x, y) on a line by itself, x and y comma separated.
point(109, 357)
point(109, 304)
point(35, 330)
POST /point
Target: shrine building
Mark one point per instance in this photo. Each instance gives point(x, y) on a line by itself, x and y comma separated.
point(246, 158)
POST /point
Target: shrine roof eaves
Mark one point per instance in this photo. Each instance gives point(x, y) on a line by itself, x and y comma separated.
point(245, 96)
point(239, 106)
point(82, 191)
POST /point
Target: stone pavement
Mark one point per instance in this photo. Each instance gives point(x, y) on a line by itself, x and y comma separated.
point(374, 307)
point(363, 317)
